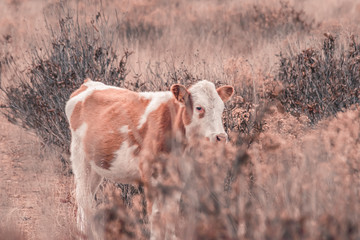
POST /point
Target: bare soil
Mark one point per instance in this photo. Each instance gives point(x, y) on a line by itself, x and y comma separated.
point(34, 196)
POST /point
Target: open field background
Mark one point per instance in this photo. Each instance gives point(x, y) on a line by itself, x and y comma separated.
point(292, 168)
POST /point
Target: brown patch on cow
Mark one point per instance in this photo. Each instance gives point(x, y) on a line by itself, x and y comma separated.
point(78, 91)
point(225, 92)
point(161, 122)
point(202, 114)
point(188, 110)
point(75, 119)
point(165, 123)
point(103, 151)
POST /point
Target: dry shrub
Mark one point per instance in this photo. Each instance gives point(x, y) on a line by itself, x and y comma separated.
point(243, 114)
point(36, 98)
point(121, 212)
point(202, 177)
point(306, 184)
point(322, 82)
point(293, 182)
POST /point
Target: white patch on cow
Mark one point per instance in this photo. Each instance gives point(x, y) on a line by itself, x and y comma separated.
point(92, 86)
point(204, 94)
point(124, 129)
point(77, 148)
point(124, 168)
point(79, 165)
point(157, 98)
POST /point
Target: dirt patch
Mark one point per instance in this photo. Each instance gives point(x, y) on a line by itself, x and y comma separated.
point(35, 197)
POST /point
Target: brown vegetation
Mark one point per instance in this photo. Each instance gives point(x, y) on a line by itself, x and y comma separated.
point(291, 170)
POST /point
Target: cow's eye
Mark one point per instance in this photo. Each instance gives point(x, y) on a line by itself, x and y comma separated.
point(199, 108)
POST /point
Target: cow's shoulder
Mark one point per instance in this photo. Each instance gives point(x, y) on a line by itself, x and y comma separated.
point(93, 97)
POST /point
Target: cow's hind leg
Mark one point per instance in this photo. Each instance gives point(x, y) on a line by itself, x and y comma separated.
point(86, 182)
point(86, 186)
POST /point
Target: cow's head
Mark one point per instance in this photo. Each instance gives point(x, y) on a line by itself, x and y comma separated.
point(204, 105)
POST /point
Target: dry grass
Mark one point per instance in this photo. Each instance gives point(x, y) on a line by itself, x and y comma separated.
point(291, 170)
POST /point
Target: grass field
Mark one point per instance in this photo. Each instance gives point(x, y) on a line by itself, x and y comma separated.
point(291, 169)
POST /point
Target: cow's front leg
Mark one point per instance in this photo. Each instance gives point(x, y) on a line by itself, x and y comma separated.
point(152, 208)
point(163, 212)
point(172, 211)
point(155, 221)
point(164, 216)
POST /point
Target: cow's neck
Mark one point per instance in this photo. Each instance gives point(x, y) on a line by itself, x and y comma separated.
point(183, 118)
point(179, 126)
point(173, 129)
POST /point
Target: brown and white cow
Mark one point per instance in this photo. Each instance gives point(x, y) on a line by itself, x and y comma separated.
point(116, 133)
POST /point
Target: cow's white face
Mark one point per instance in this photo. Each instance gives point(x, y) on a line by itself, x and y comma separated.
point(207, 105)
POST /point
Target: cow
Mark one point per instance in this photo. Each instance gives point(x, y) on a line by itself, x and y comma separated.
point(117, 133)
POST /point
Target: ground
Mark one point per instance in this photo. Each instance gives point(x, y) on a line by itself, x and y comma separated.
point(35, 196)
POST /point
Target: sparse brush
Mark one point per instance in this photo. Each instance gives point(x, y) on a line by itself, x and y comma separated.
point(322, 82)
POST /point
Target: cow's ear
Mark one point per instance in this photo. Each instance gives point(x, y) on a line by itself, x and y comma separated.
point(225, 92)
point(180, 92)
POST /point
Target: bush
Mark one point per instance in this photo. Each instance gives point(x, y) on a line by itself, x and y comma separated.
point(208, 206)
point(37, 99)
point(322, 82)
point(270, 21)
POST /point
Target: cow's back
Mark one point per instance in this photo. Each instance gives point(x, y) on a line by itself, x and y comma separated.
point(104, 120)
